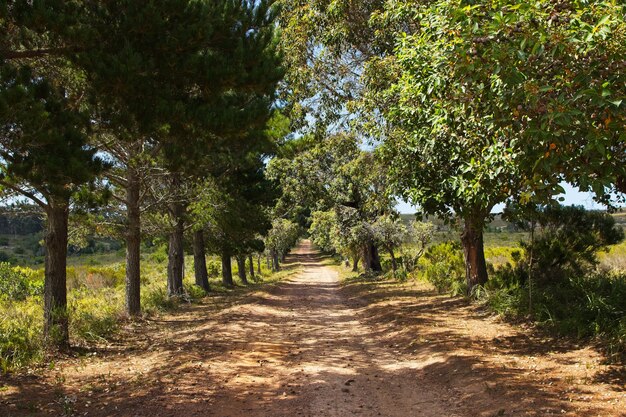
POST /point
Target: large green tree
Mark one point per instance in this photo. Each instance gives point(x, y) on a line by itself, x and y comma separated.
point(475, 103)
point(45, 156)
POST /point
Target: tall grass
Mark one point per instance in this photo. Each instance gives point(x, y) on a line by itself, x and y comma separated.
point(95, 300)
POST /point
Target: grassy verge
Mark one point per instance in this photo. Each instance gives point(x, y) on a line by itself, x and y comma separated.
point(96, 301)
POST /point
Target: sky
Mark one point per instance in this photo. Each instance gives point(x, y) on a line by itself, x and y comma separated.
point(573, 196)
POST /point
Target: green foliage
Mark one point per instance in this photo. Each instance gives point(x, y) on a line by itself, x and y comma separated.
point(213, 268)
point(389, 231)
point(156, 300)
point(321, 230)
point(592, 305)
point(17, 283)
point(160, 254)
point(568, 241)
point(444, 267)
point(21, 328)
point(282, 237)
point(94, 315)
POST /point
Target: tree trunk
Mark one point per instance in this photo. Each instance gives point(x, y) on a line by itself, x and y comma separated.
point(133, 244)
point(275, 263)
point(56, 332)
point(355, 262)
point(258, 265)
point(394, 264)
point(251, 266)
point(241, 269)
point(473, 248)
point(176, 255)
point(199, 261)
point(371, 260)
point(227, 270)
point(375, 259)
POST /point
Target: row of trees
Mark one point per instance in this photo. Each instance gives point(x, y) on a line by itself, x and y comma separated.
point(472, 104)
point(340, 192)
point(156, 111)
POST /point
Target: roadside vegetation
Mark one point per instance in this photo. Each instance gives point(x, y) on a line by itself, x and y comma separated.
point(222, 131)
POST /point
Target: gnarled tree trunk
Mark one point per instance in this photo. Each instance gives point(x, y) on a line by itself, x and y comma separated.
point(371, 259)
point(474, 251)
point(56, 332)
point(199, 261)
point(394, 263)
point(355, 262)
point(275, 263)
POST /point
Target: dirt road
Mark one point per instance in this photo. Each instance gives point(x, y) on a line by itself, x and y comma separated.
point(311, 347)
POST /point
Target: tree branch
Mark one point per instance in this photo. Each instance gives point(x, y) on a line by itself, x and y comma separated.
point(37, 53)
point(25, 193)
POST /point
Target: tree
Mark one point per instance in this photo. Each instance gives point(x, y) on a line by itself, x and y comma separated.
point(475, 103)
point(390, 233)
point(321, 230)
point(234, 212)
point(46, 157)
point(335, 174)
point(280, 239)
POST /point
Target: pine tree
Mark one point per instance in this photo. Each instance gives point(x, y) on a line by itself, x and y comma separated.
point(45, 157)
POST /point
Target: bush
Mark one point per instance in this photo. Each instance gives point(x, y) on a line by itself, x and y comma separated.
point(156, 300)
point(94, 316)
point(587, 306)
point(17, 283)
point(444, 267)
point(568, 241)
point(214, 268)
point(21, 330)
point(105, 277)
point(160, 254)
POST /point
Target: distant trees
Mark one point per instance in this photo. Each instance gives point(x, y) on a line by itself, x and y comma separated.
point(391, 233)
point(343, 185)
point(282, 236)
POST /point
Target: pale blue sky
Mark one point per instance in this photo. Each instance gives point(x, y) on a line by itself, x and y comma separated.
point(572, 196)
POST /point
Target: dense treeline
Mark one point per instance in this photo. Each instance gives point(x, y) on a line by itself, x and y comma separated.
point(119, 116)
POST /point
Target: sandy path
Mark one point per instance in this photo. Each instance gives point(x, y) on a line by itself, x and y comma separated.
point(322, 360)
point(310, 347)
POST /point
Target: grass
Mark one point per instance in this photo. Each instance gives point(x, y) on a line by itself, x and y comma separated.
point(96, 300)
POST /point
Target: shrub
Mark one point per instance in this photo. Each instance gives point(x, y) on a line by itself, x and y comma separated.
point(14, 284)
point(94, 315)
point(569, 240)
point(160, 254)
point(156, 300)
point(584, 306)
point(105, 277)
point(444, 267)
point(21, 328)
point(214, 268)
